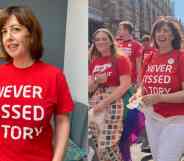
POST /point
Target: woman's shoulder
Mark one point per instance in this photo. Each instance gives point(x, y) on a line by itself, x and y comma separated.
point(181, 52)
point(49, 68)
point(180, 56)
point(5, 65)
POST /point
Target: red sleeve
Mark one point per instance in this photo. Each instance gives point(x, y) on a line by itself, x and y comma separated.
point(124, 65)
point(181, 66)
point(64, 99)
point(138, 49)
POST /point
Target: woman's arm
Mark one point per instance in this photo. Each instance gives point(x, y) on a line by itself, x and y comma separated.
point(92, 84)
point(176, 97)
point(62, 135)
point(138, 69)
point(125, 82)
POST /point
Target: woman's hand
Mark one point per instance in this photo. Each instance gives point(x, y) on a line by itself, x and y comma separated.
point(100, 107)
point(151, 99)
point(136, 96)
point(101, 78)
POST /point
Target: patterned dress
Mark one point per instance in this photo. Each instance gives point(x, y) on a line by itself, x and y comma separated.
point(107, 131)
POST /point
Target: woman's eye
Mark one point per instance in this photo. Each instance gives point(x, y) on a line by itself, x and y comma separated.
point(101, 39)
point(3, 32)
point(104, 39)
point(16, 29)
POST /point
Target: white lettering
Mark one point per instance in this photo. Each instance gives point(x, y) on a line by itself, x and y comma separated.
point(157, 79)
point(162, 68)
point(1, 91)
point(16, 112)
point(38, 113)
point(38, 131)
point(25, 91)
point(15, 130)
point(5, 130)
point(26, 112)
point(168, 68)
point(158, 90)
point(5, 111)
point(37, 90)
point(17, 91)
point(27, 133)
point(7, 92)
point(102, 68)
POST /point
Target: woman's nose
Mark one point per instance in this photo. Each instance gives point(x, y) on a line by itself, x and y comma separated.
point(8, 35)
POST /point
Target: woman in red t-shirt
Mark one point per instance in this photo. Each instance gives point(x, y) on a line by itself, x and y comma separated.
point(109, 79)
point(31, 92)
point(163, 89)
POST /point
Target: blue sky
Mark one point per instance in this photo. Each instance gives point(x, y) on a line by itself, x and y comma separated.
point(179, 9)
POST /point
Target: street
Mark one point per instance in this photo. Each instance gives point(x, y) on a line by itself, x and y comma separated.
point(137, 155)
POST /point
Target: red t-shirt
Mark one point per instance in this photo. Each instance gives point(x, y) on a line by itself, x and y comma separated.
point(163, 74)
point(133, 49)
point(113, 67)
point(147, 52)
point(28, 99)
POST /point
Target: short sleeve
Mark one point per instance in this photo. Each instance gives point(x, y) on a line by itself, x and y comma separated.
point(138, 49)
point(181, 66)
point(64, 100)
point(124, 65)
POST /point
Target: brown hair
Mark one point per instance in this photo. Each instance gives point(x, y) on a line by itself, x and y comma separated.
point(26, 18)
point(95, 52)
point(175, 29)
point(127, 25)
point(146, 38)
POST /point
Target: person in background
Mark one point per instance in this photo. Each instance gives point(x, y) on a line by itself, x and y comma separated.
point(109, 79)
point(163, 89)
point(131, 47)
point(31, 92)
point(148, 48)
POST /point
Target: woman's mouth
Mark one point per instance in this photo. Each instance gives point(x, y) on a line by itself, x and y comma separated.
point(12, 47)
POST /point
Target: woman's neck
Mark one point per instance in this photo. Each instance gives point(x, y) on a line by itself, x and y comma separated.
point(23, 62)
point(127, 37)
point(165, 50)
point(106, 53)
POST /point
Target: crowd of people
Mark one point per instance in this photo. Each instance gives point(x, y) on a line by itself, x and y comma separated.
point(149, 74)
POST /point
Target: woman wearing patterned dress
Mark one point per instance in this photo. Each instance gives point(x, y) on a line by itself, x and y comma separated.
point(109, 79)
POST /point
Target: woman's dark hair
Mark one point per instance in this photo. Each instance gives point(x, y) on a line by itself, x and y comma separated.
point(95, 52)
point(26, 18)
point(173, 24)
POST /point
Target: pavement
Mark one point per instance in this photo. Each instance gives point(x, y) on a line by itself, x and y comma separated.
point(137, 155)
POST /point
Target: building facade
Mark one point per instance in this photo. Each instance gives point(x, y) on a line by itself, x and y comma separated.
point(142, 13)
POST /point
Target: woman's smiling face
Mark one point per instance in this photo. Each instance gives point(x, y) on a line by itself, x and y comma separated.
point(102, 42)
point(164, 36)
point(15, 38)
